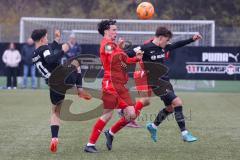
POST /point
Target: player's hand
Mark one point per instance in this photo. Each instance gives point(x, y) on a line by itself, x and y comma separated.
point(75, 63)
point(139, 54)
point(121, 43)
point(65, 47)
point(57, 35)
point(197, 37)
point(84, 94)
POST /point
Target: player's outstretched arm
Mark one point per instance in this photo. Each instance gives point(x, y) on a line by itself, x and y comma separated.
point(197, 37)
point(130, 52)
point(51, 58)
point(138, 56)
point(182, 43)
point(55, 45)
point(121, 43)
point(57, 34)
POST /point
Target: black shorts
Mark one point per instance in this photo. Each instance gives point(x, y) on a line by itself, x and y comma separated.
point(57, 92)
point(168, 98)
point(56, 97)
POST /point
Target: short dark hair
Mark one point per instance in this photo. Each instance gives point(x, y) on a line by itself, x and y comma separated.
point(37, 34)
point(105, 25)
point(163, 31)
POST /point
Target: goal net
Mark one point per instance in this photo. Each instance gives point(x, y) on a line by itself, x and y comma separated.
point(85, 31)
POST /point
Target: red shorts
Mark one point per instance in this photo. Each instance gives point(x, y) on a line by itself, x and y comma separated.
point(115, 96)
point(141, 82)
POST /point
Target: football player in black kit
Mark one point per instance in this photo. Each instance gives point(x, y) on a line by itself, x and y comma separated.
point(155, 52)
point(47, 60)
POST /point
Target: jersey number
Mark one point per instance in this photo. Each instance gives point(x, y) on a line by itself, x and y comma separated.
point(45, 73)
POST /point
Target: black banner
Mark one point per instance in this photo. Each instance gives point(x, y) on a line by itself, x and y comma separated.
point(203, 63)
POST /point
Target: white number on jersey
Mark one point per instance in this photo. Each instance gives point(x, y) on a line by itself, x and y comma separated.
point(45, 73)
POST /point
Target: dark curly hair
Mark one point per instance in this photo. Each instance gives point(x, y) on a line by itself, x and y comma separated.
point(163, 31)
point(37, 34)
point(105, 25)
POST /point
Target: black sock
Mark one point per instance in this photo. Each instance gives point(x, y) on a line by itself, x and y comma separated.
point(79, 80)
point(54, 130)
point(179, 118)
point(161, 116)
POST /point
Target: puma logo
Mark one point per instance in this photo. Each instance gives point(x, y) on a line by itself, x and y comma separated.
point(233, 56)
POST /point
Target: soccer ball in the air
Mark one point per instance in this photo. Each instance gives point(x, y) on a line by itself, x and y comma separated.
point(145, 10)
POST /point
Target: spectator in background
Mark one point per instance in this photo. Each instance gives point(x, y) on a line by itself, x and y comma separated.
point(11, 57)
point(74, 48)
point(27, 53)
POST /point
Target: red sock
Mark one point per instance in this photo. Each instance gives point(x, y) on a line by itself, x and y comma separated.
point(138, 107)
point(119, 125)
point(97, 129)
point(123, 122)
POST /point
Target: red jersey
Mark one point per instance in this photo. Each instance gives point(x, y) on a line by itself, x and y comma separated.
point(114, 61)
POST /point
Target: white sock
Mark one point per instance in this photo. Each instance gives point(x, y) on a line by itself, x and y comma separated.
point(154, 126)
point(90, 144)
point(111, 132)
point(184, 132)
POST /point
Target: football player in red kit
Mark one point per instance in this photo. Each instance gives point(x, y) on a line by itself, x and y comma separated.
point(114, 93)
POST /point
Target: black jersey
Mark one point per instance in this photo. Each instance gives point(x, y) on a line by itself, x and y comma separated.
point(154, 53)
point(46, 60)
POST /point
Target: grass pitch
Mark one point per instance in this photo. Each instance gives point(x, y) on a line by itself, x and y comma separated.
point(213, 117)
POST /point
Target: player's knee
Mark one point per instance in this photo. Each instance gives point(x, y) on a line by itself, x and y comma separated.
point(170, 108)
point(106, 117)
point(56, 109)
point(127, 117)
point(130, 115)
point(177, 102)
point(133, 116)
point(145, 101)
